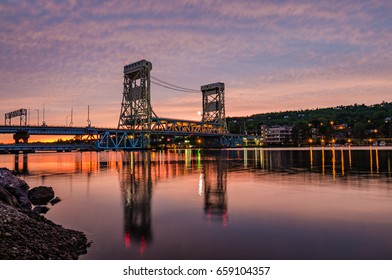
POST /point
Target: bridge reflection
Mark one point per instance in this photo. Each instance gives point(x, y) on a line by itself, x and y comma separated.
point(215, 188)
point(17, 158)
point(140, 171)
point(136, 188)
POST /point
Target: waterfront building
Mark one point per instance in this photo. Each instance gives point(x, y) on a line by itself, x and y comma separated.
point(278, 134)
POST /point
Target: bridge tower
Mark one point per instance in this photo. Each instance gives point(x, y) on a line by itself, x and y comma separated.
point(214, 105)
point(136, 108)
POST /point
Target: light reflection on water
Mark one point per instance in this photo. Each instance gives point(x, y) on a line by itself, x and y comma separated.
point(313, 203)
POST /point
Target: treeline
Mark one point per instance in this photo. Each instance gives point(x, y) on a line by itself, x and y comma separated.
point(359, 122)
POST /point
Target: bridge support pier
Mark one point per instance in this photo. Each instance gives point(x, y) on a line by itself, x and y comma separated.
point(24, 136)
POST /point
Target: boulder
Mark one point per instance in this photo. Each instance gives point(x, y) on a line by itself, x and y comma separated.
point(41, 195)
point(15, 186)
point(41, 209)
point(55, 200)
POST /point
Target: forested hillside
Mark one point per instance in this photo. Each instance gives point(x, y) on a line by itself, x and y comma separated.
point(354, 121)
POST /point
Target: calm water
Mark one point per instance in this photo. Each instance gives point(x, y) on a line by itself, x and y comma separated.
point(331, 203)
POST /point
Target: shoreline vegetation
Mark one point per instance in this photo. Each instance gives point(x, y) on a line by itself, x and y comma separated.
point(358, 125)
point(27, 235)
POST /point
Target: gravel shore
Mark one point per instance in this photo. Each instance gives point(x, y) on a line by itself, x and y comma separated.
point(25, 234)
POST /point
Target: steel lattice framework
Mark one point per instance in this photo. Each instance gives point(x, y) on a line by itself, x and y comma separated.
point(136, 108)
point(214, 105)
point(22, 113)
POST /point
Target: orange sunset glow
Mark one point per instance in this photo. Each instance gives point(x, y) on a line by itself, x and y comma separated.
point(272, 56)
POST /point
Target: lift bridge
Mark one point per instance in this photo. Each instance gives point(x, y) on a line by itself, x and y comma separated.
point(138, 126)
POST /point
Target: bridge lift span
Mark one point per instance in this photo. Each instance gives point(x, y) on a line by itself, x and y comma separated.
point(138, 116)
point(138, 125)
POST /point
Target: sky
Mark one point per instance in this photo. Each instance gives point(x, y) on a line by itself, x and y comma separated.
point(271, 55)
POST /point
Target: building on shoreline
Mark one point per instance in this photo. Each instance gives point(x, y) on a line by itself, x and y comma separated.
point(279, 135)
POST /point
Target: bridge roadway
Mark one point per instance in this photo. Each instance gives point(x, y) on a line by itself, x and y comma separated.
point(179, 128)
point(50, 130)
point(110, 138)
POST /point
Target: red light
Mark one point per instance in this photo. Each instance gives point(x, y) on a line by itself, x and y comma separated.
point(143, 246)
point(127, 240)
point(224, 218)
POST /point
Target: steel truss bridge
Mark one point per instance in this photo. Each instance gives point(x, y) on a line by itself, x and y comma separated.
point(138, 127)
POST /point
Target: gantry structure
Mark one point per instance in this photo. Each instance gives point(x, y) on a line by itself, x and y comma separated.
point(214, 105)
point(21, 113)
point(138, 117)
point(136, 111)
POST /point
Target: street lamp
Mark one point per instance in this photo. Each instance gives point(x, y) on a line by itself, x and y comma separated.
point(38, 115)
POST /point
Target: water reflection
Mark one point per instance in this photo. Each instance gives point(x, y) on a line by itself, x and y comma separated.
point(332, 161)
point(272, 192)
point(25, 169)
point(215, 186)
point(136, 187)
point(138, 171)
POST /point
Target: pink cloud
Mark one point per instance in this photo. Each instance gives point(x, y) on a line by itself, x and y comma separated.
point(71, 54)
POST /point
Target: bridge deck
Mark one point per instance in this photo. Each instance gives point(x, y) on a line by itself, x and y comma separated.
point(110, 138)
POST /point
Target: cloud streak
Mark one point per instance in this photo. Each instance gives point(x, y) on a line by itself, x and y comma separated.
point(71, 53)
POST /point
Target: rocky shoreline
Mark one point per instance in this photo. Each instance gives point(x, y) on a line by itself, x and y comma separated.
point(24, 233)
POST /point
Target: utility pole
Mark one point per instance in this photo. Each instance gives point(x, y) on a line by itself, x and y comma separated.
point(71, 123)
point(38, 116)
point(88, 116)
point(43, 117)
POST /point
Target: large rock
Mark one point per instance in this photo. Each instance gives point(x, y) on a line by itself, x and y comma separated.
point(55, 200)
point(42, 209)
point(41, 195)
point(15, 186)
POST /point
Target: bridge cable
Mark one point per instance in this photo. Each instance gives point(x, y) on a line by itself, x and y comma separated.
point(176, 89)
point(171, 86)
point(174, 86)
